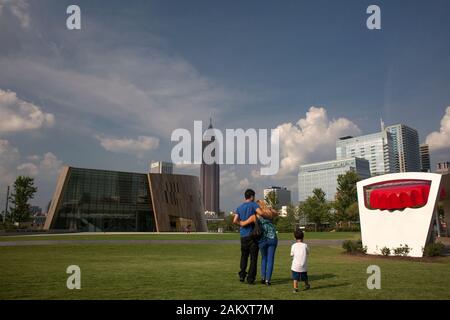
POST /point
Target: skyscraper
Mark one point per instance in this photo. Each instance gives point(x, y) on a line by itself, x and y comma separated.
point(425, 164)
point(406, 148)
point(377, 148)
point(210, 177)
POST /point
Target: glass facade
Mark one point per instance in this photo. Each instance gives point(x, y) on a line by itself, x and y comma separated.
point(99, 200)
point(377, 148)
point(406, 148)
point(324, 175)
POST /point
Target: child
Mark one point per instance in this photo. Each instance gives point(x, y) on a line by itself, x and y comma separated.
point(299, 268)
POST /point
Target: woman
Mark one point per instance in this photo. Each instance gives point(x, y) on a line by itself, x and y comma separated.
point(268, 242)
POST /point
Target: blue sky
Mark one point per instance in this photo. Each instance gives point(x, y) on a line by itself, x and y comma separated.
point(109, 95)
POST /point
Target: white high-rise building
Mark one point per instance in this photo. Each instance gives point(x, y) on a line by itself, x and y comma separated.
point(377, 148)
point(161, 167)
point(324, 175)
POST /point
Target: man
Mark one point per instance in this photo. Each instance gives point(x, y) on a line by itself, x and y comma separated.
point(249, 245)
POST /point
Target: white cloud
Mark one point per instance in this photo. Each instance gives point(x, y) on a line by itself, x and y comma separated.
point(12, 164)
point(441, 140)
point(9, 156)
point(28, 169)
point(312, 138)
point(19, 115)
point(232, 183)
point(50, 165)
point(129, 145)
point(19, 8)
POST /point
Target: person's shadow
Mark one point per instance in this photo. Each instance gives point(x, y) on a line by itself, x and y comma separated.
point(312, 278)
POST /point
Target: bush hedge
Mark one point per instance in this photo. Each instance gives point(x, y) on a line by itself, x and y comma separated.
point(353, 247)
point(433, 249)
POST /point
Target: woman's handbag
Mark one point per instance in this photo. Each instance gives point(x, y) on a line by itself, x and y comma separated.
point(257, 230)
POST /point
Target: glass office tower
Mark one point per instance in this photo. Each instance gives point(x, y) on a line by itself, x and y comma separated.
point(324, 175)
point(406, 148)
point(98, 200)
point(377, 148)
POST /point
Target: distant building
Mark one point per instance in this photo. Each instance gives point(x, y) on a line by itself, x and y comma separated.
point(425, 165)
point(324, 175)
point(103, 200)
point(377, 148)
point(283, 195)
point(406, 148)
point(161, 167)
point(443, 167)
point(283, 211)
point(35, 211)
point(210, 179)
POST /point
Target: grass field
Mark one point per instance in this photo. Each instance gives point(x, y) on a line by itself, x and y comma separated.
point(205, 271)
point(181, 236)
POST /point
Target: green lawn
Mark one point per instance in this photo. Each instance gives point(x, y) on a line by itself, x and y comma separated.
point(205, 271)
point(162, 236)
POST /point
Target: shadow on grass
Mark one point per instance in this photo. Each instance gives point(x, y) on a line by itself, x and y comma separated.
point(313, 277)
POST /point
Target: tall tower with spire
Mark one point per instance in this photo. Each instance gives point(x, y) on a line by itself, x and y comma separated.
point(210, 178)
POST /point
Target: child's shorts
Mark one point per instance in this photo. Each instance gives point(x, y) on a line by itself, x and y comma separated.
point(299, 276)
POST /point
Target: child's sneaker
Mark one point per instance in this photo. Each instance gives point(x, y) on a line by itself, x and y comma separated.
point(307, 287)
point(295, 291)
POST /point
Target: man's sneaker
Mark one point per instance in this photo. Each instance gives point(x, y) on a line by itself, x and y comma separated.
point(307, 287)
point(250, 281)
point(241, 278)
point(263, 281)
point(295, 291)
point(268, 283)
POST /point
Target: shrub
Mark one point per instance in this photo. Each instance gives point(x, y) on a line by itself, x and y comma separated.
point(433, 249)
point(354, 246)
point(385, 251)
point(353, 228)
point(402, 250)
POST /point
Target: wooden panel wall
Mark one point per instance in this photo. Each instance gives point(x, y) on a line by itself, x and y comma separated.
point(179, 196)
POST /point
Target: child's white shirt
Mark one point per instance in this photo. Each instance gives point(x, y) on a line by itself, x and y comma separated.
point(299, 252)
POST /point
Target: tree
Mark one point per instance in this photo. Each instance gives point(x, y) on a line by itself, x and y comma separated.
point(288, 223)
point(346, 197)
point(24, 191)
point(316, 208)
point(272, 200)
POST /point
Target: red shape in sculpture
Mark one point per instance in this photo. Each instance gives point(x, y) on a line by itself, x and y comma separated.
point(399, 197)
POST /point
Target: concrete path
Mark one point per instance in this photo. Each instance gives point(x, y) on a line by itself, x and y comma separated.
point(312, 242)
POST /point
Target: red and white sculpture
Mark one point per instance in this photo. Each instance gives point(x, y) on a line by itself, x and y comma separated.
point(398, 209)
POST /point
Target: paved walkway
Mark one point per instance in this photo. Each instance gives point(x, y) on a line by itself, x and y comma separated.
point(312, 242)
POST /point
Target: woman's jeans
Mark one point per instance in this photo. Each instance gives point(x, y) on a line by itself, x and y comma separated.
point(267, 248)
